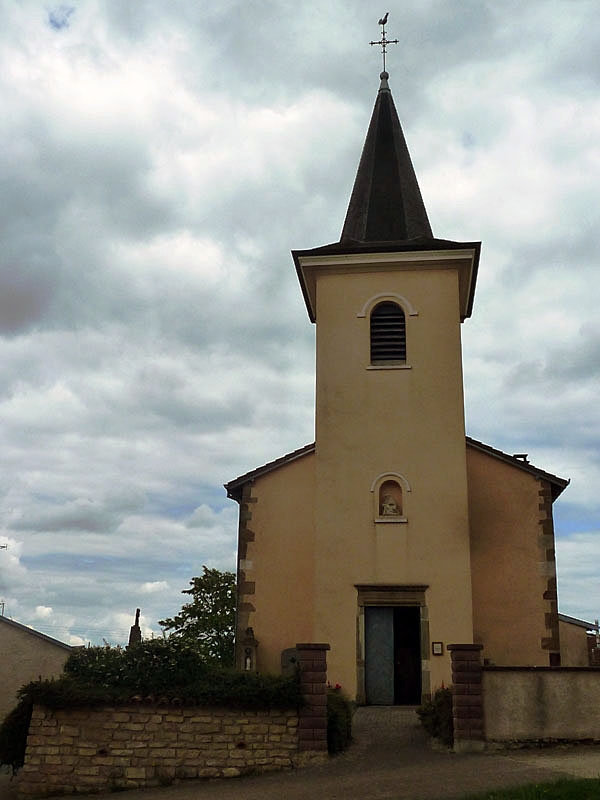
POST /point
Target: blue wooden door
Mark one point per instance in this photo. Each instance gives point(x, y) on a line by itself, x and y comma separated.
point(379, 655)
point(392, 655)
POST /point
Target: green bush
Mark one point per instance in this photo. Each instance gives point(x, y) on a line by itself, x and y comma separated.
point(339, 721)
point(436, 716)
point(162, 670)
point(148, 667)
point(166, 670)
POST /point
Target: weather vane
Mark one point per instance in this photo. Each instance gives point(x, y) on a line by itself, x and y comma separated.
point(384, 41)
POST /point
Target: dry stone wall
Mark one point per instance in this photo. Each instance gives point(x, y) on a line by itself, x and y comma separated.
point(129, 747)
point(137, 746)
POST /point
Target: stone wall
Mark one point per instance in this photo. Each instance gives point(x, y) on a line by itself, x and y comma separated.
point(541, 703)
point(139, 745)
point(129, 747)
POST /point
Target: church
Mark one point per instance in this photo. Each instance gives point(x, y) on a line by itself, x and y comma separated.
point(394, 534)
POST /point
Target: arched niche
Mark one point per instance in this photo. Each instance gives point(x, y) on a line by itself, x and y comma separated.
point(389, 492)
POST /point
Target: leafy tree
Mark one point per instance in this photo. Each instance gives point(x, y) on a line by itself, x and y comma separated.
point(208, 621)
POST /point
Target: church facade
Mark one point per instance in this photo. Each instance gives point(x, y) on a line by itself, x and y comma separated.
point(394, 534)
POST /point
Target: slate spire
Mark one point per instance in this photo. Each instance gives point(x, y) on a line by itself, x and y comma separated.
point(386, 203)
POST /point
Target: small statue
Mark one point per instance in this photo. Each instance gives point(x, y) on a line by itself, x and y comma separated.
point(389, 507)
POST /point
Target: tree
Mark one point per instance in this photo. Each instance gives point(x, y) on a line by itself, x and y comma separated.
point(208, 621)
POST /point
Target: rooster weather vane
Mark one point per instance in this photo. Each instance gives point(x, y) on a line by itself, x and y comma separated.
point(384, 41)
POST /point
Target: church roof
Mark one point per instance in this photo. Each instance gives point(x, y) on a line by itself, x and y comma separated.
point(386, 213)
point(386, 203)
point(521, 462)
point(234, 487)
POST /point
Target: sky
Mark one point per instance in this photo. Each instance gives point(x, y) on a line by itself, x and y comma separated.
point(160, 160)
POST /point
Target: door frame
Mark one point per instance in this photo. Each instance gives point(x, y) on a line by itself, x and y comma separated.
point(391, 595)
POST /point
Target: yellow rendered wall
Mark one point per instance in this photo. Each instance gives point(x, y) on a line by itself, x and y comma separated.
point(25, 658)
point(280, 560)
point(372, 421)
point(508, 559)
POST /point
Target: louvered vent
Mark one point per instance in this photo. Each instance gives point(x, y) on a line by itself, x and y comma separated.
point(388, 334)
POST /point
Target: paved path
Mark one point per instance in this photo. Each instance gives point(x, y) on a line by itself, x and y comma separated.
point(390, 759)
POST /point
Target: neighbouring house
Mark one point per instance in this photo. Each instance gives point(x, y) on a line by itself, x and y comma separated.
point(394, 534)
point(27, 655)
point(579, 642)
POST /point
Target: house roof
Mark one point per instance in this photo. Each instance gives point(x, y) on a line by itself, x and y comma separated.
point(235, 486)
point(33, 632)
point(580, 623)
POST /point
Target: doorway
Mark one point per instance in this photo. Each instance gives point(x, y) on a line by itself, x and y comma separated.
point(393, 655)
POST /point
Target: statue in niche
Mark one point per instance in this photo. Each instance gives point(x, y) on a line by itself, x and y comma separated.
point(390, 499)
point(389, 507)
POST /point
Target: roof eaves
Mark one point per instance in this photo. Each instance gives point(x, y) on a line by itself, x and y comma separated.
point(234, 486)
point(405, 245)
point(581, 623)
point(558, 484)
point(33, 632)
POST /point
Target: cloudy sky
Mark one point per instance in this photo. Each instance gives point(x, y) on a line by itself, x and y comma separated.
point(159, 160)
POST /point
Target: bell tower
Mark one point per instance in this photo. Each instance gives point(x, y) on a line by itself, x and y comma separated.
point(391, 507)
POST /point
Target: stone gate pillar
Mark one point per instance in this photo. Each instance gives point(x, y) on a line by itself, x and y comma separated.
point(467, 700)
point(312, 723)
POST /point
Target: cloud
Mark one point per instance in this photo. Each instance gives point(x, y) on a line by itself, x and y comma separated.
point(158, 166)
point(154, 586)
point(59, 18)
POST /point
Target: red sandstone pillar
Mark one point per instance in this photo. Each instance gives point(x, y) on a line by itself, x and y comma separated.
point(312, 722)
point(467, 700)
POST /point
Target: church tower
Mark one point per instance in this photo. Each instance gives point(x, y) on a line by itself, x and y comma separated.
point(394, 535)
point(392, 582)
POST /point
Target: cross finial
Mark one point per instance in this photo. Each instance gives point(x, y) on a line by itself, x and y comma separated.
point(384, 41)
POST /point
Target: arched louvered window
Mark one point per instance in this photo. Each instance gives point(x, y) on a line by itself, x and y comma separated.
point(388, 334)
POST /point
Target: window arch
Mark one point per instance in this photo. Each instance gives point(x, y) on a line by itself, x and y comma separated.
point(388, 334)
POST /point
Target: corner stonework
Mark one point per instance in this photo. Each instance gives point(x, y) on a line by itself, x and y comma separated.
point(467, 700)
point(550, 641)
point(245, 587)
point(312, 717)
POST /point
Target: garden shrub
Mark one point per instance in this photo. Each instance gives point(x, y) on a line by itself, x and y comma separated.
point(339, 721)
point(149, 667)
point(436, 716)
point(160, 670)
point(166, 670)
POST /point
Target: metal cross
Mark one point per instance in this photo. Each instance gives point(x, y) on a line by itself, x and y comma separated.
point(384, 41)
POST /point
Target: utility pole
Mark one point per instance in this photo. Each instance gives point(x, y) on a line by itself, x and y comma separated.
point(2, 547)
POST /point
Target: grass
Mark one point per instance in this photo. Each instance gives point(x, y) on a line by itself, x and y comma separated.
point(581, 789)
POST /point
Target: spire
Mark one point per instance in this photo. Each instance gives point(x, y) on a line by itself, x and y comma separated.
point(386, 203)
